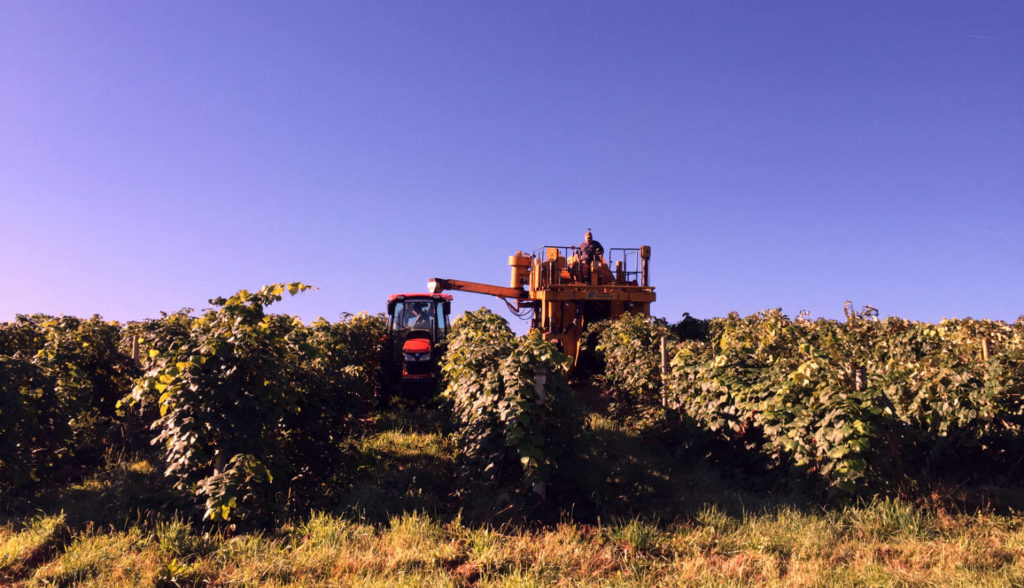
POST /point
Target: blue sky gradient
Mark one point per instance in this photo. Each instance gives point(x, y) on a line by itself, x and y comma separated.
point(794, 155)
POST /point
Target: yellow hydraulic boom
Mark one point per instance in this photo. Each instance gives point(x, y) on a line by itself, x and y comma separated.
point(436, 285)
point(566, 295)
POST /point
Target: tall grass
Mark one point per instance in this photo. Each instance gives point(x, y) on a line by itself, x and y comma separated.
point(19, 546)
point(396, 526)
point(875, 544)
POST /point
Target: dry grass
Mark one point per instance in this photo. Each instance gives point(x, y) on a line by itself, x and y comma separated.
point(20, 547)
point(882, 544)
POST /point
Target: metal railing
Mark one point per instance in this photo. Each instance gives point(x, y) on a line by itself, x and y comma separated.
point(565, 251)
point(632, 271)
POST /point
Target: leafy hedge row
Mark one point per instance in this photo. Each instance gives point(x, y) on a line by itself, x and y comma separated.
point(630, 348)
point(253, 406)
point(60, 379)
point(862, 404)
point(248, 408)
point(510, 428)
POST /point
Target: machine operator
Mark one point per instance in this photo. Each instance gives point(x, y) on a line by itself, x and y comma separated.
point(590, 249)
point(421, 318)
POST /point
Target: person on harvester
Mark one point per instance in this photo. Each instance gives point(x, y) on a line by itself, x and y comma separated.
point(591, 250)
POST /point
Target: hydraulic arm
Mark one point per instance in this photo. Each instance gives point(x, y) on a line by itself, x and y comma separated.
point(437, 285)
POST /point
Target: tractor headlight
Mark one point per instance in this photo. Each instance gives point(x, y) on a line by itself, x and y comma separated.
point(416, 356)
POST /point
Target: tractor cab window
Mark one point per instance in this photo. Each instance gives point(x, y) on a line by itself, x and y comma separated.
point(441, 319)
point(412, 314)
point(400, 320)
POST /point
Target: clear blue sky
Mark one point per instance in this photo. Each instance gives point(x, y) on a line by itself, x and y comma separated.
point(773, 154)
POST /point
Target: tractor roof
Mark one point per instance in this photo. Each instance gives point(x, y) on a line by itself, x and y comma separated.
point(421, 296)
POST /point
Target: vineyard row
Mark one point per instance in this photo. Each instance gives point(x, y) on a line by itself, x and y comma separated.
point(249, 411)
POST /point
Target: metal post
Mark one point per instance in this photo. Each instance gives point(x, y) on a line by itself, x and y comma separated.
point(645, 256)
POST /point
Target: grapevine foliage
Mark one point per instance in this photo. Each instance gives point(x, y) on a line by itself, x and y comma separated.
point(60, 379)
point(631, 349)
point(861, 404)
point(507, 430)
point(249, 410)
point(252, 406)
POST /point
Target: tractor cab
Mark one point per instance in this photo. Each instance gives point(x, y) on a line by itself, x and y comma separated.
point(414, 344)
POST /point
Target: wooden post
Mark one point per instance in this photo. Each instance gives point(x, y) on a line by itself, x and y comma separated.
point(860, 378)
point(135, 348)
point(664, 373)
point(985, 350)
point(539, 379)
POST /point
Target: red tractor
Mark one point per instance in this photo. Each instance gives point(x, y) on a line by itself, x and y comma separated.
point(414, 344)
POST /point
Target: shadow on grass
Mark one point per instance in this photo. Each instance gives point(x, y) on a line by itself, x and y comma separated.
point(405, 462)
point(654, 471)
point(394, 472)
point(661, 473)
point(123, 491)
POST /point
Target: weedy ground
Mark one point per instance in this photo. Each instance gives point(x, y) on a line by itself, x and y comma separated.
point(643, 513)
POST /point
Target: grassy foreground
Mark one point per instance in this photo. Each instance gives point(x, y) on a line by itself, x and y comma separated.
point(879, 545)
point(653, 520)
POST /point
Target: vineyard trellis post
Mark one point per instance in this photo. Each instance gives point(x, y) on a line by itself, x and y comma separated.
point(664, 372)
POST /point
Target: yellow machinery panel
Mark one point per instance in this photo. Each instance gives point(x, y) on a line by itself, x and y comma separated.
point(565, 295)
